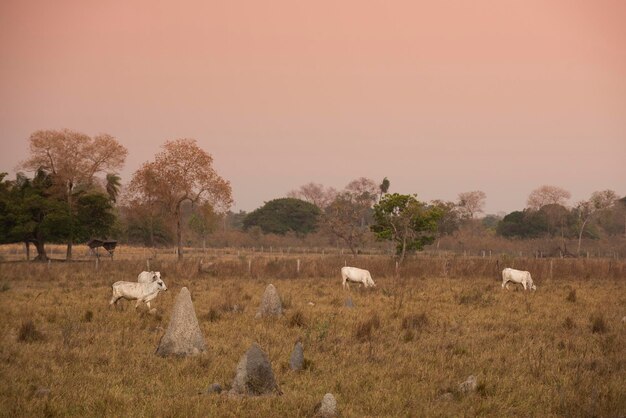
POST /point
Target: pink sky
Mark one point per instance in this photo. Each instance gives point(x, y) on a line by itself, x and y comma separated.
point(441, 97)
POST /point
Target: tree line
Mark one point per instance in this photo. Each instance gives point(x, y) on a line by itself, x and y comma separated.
point(75, 193)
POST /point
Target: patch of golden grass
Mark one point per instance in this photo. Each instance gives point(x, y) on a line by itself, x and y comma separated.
point(404, 345)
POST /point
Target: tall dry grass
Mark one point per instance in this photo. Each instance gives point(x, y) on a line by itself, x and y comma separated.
point(402, 351)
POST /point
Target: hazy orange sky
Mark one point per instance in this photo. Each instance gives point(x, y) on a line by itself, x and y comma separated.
point(441, 97)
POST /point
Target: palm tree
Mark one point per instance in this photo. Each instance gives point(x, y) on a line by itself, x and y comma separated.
point(384, 187)
point(113, 186)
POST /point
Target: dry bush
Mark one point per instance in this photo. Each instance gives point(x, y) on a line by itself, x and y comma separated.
point(568, 323)
point(571, 296)
point(598, 324)
point(213, 315)
point(415, 322)
point(364, 330)
point(297, 319)
point(28, 333)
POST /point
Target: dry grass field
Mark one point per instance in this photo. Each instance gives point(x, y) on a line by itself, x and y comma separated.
point(402, 351)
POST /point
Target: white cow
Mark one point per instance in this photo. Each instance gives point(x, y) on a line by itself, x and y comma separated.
point(148, 276)
point(356, 275)
point(517, 276)
point(142, 292)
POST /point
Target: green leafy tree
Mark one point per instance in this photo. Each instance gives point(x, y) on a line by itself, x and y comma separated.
point(279, 216)
point(403, 219)
point(94, 215)
point(32, 213)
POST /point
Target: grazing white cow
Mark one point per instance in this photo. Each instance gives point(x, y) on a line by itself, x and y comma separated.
point(517, 276)
point(142, 292)
point(148, 276)
point(356, 275)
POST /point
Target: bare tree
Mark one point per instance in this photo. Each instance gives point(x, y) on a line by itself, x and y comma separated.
point(314, 193)
point(73, 160)
point(345, 216)
point(471, 203)
point(182, 172)
point(364, 188)
point(548, 195)
point(588, 208)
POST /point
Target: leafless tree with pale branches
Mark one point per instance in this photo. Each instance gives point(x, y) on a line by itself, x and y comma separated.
point(471, 203)
point(548, 195)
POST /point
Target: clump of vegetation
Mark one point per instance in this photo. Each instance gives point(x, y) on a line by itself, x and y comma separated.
point(4, 286)
point(88, 316)
point(571, 296)
point(285, 300)
point(474, 296)
point(568, 323)
point(598, 324)
point(297, 319)
point(28, 333)
point(364, 330)
point(415, 321)
point(413, 324)
point(213, 315)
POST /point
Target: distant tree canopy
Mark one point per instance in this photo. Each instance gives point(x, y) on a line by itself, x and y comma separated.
point(279, 216)
point(551, 220)
point(522, 224)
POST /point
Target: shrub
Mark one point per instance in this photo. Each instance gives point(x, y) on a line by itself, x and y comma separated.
point(213, 315)
point(364, 329)
point(571, 296)
point(598, 324)
point(297, 319)
point(415, 322)
point(28, 332)
point(568, 323)
point(88, 316)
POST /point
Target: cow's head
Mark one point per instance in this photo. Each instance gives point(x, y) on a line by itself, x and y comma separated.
point(156, 275)
point(161, 284)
